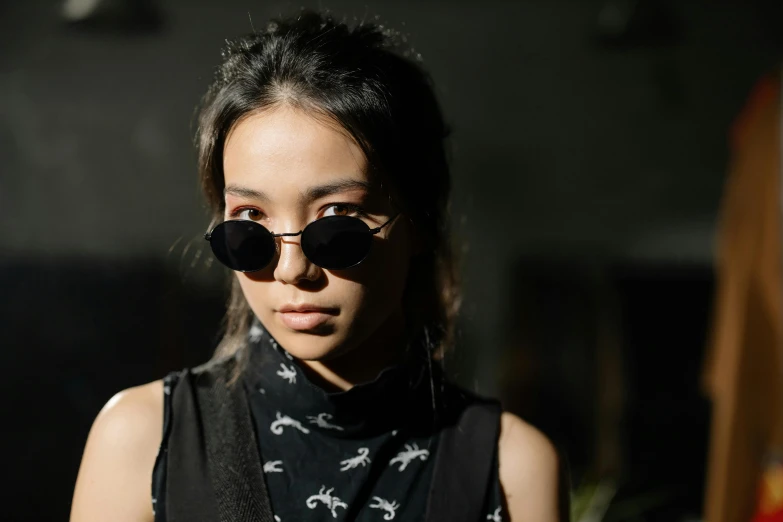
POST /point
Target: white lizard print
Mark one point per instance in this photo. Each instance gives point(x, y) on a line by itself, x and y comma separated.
point(385, 505)
point(412, 452)
point(285, 420)
point(287, 373)
point(255, 333)
point(360, 460)
point(277, 519)
point(273, 466)
point(262, 391)
point(495, 517)
point(326, 497)
point(277, 347)
point(322, 421)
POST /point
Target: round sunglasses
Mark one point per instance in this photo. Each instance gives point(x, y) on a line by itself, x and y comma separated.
point(332, 242)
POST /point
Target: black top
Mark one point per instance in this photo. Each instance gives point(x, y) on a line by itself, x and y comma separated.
point(365, 454)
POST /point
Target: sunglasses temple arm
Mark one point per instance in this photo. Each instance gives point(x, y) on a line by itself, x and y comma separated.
point(378, 229)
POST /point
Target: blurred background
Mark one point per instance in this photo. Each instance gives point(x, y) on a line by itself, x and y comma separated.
point(590, 152)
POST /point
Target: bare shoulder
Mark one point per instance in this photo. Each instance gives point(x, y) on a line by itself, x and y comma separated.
point(529, 472)
point(116, 468)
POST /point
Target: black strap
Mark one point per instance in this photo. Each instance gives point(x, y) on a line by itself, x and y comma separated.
point(235, 490)
point(190, 496)
point(463, 464)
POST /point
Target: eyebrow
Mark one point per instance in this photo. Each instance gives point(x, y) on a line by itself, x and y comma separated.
point(308, 196)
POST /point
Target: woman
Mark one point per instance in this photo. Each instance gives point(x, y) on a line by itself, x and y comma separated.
point(321, 153)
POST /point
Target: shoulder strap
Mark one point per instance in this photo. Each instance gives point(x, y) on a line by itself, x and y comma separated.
point(189, 493)
point(229, 485)
point(233, 457)
point(463, 464)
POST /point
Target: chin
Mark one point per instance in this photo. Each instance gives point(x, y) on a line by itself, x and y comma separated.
point(309, 346)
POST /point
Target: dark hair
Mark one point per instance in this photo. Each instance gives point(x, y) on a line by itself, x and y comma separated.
point(360, 78)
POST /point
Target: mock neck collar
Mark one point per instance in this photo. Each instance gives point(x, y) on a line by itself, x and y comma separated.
point(399, 397)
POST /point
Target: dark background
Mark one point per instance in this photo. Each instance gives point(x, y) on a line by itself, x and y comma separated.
point(588, 166)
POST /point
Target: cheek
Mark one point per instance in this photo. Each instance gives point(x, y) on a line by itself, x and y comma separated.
point(256, 293)
point(383, 276)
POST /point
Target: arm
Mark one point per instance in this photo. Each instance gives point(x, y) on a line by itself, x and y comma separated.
point(530, 473)
point(114, 481)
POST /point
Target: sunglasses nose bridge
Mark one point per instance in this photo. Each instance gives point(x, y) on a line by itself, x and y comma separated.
point(287, 234)
point(281, 239)
point(292, 265)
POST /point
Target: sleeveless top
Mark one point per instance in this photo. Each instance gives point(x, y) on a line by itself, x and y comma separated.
point(365, 454)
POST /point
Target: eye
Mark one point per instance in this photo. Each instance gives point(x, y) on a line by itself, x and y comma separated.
point(249, 214)
point(343, 209)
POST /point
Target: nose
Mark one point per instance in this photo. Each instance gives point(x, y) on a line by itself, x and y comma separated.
point(292, 265)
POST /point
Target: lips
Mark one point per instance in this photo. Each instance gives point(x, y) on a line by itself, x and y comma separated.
point(305, 316)
point(307, 307)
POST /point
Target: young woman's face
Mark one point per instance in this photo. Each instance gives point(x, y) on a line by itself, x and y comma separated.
point(285, 168)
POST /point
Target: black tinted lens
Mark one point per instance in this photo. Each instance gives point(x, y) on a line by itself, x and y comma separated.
point(242, 245)
point(336, 242)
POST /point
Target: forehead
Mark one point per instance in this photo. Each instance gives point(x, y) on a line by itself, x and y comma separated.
point(286, 149)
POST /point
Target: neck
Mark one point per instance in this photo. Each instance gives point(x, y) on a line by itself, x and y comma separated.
point(383, 348)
